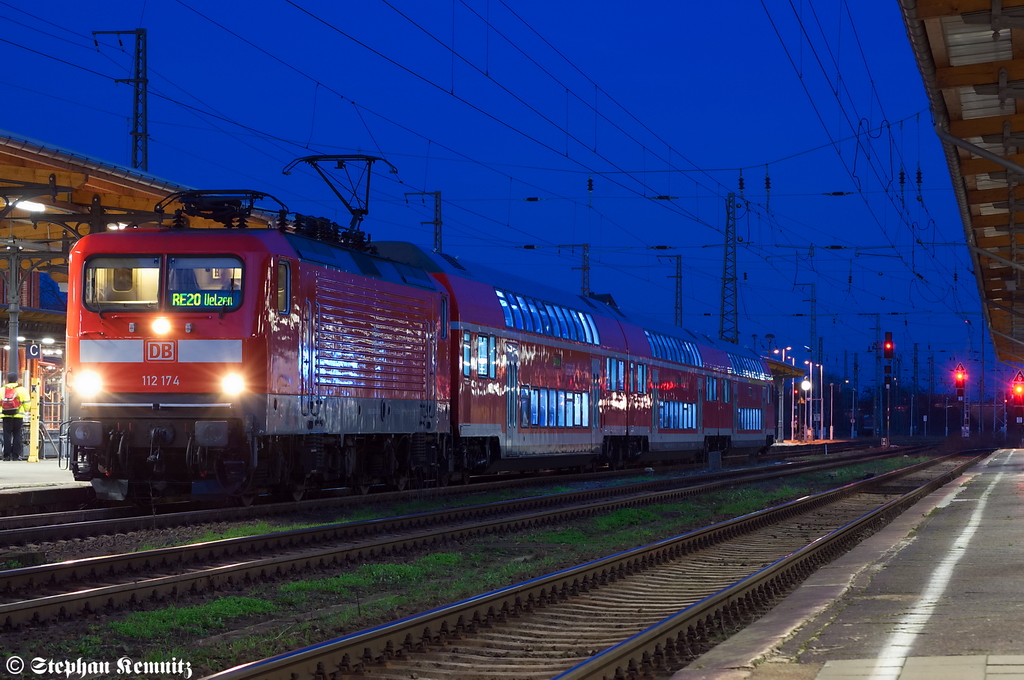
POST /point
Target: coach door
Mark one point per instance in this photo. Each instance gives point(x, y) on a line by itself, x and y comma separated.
point(654, 402)
point(511, 395)
point(596, 426)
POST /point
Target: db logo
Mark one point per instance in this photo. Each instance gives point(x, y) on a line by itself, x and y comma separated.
point(160, 350)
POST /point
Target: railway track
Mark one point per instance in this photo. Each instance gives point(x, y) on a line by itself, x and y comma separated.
point(642, 612)
point(40, 528)
point(91, 585)
point(19, 511)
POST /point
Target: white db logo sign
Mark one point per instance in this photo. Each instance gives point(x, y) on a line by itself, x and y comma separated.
point(161, 350)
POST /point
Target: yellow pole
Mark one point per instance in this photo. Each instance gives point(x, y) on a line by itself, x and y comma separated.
point(33, 440)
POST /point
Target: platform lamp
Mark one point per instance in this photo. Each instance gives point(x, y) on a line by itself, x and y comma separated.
point(806, 387)
point(782, 391)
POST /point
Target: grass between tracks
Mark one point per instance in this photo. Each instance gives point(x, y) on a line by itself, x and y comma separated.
point(243, 625)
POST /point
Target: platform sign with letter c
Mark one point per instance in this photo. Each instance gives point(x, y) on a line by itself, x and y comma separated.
point(32, 351)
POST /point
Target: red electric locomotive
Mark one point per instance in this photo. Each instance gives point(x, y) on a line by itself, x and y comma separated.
point(241, 360)
point(232, 361)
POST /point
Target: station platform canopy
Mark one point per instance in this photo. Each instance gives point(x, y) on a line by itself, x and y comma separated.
point(784, 371)
point(50, 197)
point(971, 57)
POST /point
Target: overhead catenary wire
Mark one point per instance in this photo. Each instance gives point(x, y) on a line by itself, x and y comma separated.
point(780, 220)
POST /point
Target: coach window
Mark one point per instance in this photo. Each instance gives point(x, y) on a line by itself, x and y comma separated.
point(284, 285)
point(486, 356)
point(592, 325)
point(640, 385)
point(570, 327)
point(531, 304)
point(467, 354)
point(545, 319)
point(558, 322)
point(525, 311)
point(725, 391)
point(505, 309)
point(710, 389)
point(585, 334)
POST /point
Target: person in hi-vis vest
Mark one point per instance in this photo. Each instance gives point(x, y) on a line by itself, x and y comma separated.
point(15, 402)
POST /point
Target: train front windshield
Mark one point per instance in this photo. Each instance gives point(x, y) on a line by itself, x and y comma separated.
point(133, 283)
point(203, 283)
point(122, 283)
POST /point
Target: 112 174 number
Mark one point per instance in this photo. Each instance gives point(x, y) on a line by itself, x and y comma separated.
point(159, 380)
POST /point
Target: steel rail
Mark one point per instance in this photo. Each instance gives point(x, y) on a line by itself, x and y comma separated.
point(688, 633)
point(94, 521)
point(111, 523)
point(361, 652)
point(55, 607)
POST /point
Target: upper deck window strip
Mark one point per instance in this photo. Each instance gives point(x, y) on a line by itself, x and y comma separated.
point(545, 318)
point(748, 367)
point(674, 349)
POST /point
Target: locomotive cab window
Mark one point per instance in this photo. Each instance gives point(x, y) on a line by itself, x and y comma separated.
point(204, 283)
point(125, 283)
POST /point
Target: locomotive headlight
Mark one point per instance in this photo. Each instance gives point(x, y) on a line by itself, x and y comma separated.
point(161, 326)
point(232, 384)
point(88, 384)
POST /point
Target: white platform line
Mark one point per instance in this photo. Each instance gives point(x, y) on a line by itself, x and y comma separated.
point(910, 626)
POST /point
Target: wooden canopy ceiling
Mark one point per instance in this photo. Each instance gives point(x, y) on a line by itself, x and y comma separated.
point(971, 56)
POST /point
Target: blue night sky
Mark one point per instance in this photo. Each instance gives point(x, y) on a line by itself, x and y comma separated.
point(493, 102)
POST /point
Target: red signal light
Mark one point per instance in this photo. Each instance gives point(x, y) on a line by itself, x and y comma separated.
point(960, 376)
point(1018, 389)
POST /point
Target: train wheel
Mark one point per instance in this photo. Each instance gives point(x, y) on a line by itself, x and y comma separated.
point(298, 492)
point(418, 479)
point(399, 481)
point(618, 459)
point(361, 485)
point(246, 499)
point(444, 455)
point(397, 461)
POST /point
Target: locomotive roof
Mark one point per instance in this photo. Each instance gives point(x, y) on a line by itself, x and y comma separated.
point(360, 263)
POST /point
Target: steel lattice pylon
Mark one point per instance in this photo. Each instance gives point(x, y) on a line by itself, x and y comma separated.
point(728, 321)
point(140, 98)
